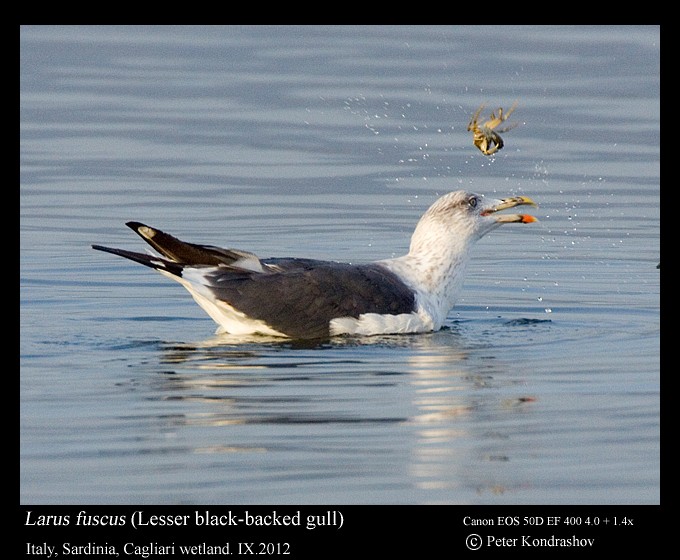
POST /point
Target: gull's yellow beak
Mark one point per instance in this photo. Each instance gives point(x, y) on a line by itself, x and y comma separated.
point(512, 202)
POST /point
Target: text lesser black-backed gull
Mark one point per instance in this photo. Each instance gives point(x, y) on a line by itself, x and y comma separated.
point(306, 298)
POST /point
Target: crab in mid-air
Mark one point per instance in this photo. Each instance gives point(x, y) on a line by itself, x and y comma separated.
point(484, 136)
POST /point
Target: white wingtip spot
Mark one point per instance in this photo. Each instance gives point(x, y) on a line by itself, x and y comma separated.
point(147, 232)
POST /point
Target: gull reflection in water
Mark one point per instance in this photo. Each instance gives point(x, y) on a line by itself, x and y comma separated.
point(258, 380)
point(453, 434)
point(215, 373)
point(461, 440)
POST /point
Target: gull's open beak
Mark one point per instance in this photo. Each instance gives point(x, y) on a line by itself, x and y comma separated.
point(511, 203)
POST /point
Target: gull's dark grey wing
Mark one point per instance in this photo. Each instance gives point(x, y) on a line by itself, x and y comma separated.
point(301, 301)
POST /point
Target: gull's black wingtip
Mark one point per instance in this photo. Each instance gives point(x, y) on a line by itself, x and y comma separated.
point(135, 225)
point(119, 252)
point(151, 261)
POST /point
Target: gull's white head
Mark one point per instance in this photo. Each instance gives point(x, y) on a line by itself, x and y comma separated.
point(460, 218)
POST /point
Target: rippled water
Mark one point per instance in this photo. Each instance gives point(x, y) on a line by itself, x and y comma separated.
point(329, 142)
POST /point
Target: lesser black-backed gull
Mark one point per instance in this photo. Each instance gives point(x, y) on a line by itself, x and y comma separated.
point(307, 298)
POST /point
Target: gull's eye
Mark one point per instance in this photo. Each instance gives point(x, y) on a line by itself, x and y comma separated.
point(472, 201)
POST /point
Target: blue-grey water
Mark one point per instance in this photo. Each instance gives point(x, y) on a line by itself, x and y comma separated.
point(330, 142)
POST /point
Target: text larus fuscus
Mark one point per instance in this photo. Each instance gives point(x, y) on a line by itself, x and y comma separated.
point(307, 298)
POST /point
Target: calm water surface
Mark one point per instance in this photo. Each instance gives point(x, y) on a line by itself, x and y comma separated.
point(326, 142)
